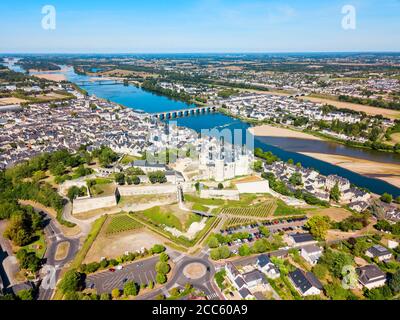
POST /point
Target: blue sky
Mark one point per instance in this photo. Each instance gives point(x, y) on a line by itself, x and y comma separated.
point(132, 26)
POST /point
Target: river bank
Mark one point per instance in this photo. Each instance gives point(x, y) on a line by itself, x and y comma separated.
point(378, 170)
point(272, 131)
point(388, 172)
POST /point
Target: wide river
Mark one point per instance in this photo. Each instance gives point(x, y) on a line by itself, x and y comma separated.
point(284, 148)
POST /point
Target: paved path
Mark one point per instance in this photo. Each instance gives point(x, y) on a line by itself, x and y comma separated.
point(84, 225)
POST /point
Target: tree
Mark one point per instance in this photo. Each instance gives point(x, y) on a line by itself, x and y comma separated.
point(265, 231)
point(244, 250)
point(260, 246)
point(335, 291)
point(19, 229)
point(158, 248)
point(25, 294)
point(224, 251)
point(258, 166)
point(115, 293)
point(175, 292)
point(150, 285)
point(394, 282)
point(131, 289)
point(220, 253)
point(120, 178)
point(58, 169)
point(157, 177)
point(136, 180)
point(162, 267)
point(74, 192)
point(320, 271)
point(213, 242)
point(387, 198)
point(105, 296)
point(220, 186)
point(161, 278)
point(105, 155)
point(336, 261)
point(335, 193)
point(296, 179)
point(382, 293)
point(71, 282)
point(318, 226)
point(164, 257)
point(29, 260)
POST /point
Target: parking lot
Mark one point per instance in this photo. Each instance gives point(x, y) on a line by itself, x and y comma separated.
point(138, 271)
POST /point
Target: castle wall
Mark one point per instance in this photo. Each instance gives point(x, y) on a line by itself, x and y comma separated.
point(83, 205)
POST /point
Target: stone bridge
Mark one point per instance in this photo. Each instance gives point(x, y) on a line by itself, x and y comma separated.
point(183, 112)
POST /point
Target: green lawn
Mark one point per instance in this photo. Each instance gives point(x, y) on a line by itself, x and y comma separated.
point(120, 223)
point(102, 180)
point(39, 246)
point(165, 217)
point(200, 207)
point(192, 218)
point(207, 202)
point(283, 209)
point(128, 159)
point(102, 189)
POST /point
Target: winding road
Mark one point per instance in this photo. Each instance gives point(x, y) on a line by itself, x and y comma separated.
point(54, 237)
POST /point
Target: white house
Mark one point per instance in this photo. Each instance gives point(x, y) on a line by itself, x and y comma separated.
point(300, 239)
point(305, 283)
point(254, 278)
point(265, 265)
point(234, 276)
point(370, 276)
point(380, 252)
point(311, 253)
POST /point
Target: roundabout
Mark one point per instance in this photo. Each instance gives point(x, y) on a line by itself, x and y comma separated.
point(194, 271)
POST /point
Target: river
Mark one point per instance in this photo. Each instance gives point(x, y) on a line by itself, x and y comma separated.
point(284, 148)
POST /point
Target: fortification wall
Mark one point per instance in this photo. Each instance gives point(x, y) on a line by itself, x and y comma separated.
point(83, 205)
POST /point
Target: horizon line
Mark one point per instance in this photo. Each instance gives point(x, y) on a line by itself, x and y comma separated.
point(205, 52)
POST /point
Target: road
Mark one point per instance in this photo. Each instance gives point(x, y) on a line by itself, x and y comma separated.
point(54, 237)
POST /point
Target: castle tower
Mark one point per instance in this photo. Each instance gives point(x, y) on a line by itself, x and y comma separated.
point(219, 170)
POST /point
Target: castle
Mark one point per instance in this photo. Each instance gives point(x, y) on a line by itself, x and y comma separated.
point(220, 162)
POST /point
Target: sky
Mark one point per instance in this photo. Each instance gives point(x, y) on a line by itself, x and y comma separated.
point(198, 26)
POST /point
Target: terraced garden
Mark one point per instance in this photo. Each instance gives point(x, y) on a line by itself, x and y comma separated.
point(261, 211)
point(120, 223)
point(236, 222)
